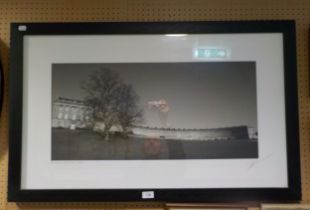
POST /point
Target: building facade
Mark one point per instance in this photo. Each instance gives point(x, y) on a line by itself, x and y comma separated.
point(229, 133)
point(70, 113)
point(74, 114)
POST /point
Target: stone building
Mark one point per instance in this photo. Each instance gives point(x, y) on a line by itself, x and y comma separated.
point(71, 113)
point(229, 133)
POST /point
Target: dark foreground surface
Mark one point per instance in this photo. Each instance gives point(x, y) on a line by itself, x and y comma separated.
point(88, 145)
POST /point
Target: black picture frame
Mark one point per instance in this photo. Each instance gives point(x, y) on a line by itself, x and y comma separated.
point(20, 30)
point(1, 86)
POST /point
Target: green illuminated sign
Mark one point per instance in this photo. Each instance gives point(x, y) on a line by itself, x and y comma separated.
point(210, 53)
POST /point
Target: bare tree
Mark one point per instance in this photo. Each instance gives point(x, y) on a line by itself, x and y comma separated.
point(113, 101)
point(128, 112)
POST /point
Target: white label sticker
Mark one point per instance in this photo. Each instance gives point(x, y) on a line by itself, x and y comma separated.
point(148, 194)
point(22, 28)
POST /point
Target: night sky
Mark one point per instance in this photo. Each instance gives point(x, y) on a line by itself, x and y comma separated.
point(200, 94)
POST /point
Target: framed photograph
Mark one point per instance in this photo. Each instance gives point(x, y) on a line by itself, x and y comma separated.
point(285, 207)
point(158, 111)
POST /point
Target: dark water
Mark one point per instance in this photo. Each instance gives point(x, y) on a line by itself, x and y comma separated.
point(88, 145)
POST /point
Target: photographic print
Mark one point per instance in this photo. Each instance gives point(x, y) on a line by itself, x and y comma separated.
point(138, 111)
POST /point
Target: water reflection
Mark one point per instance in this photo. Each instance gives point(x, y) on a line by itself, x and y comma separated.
point(152, 148)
